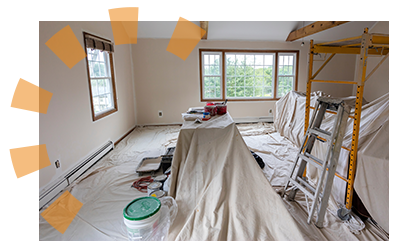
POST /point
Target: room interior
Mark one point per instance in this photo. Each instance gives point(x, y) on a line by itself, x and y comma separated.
point(153, 87)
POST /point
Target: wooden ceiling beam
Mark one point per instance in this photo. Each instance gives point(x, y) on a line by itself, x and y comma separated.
point(312, 29)
point(204, 26)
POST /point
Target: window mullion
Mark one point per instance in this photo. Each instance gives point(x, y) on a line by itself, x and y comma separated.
point(276, 65)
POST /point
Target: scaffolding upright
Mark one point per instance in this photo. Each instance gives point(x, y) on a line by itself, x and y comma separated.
point(364, 45)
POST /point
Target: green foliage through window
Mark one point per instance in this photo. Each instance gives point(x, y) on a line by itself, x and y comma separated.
point(247, 75)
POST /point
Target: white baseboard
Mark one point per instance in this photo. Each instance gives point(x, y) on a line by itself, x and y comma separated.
point(254, 119)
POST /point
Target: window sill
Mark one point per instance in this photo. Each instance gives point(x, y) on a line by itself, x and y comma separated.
point(241, 100)
point(102, 115)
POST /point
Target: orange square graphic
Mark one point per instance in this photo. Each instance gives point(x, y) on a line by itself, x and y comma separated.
point(185, 38)
point(124, 24)
point(123, 32)
point(29, 159)
point(66, 46)
point(62, 211)
point(124, 14)
point(31, 97)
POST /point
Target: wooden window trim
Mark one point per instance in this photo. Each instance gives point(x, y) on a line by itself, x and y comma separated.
point(224, 51)
point(112, 72)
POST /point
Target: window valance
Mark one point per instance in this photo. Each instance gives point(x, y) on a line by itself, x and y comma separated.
point(94, 42)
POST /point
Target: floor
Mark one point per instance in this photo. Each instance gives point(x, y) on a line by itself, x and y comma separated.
point(106, 188)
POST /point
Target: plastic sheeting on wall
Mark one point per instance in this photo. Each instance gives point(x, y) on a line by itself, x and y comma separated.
point(372, 177)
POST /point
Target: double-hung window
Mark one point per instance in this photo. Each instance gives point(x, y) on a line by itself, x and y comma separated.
point(101, 76)
point(247, 75)
point(212, 70)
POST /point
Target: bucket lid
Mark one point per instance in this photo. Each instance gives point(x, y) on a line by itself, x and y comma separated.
point(162, 177)
point(158, 194)
point(142, 208)
point(154, 185)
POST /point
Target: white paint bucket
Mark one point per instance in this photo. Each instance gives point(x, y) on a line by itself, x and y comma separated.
point(141, 217)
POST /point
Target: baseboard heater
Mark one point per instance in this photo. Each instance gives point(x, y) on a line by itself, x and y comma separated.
point(71, 176)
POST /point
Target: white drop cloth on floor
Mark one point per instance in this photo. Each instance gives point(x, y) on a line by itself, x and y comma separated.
point(106, 188)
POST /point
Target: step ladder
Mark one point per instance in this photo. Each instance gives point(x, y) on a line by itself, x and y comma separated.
point(320, 194)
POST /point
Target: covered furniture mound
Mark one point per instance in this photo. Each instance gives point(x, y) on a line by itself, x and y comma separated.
point(220, 189)
point(372, 176)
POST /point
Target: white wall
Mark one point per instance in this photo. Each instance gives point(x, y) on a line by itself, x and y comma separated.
point(165, 82)
point(341, 67)
point(67, 129)
point(378, 84)
point(162, 81)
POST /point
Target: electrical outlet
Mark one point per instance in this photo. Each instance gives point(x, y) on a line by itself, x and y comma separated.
point(57, 163)
point(160, 113)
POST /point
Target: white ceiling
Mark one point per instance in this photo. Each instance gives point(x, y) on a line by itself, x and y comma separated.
point(254, 30)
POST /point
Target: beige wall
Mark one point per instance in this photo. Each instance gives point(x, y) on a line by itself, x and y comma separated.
point(378, 84)
point(165, 82)
point(161, 81)
point(67, 129)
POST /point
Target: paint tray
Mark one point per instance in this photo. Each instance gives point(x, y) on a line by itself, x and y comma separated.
point(149, 165)
point(167, 159)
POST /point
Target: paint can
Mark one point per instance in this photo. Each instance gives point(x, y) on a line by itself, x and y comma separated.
point(212, 109)
point(154, 186)
point(221, 109)
point(161, 178)
point(158, 194)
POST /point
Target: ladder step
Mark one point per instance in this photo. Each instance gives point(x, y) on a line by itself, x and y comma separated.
point(305, 191)
point(314, 158)
point(299, 186)
point(317, 164)
point(308, 185)
point(321, 133)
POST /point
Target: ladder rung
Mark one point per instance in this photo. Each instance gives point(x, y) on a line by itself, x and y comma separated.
point(299, 186)
point(332, 112)
point(314, 158)
point(308, 185)
point(321, 133)
point(324, 140)
point(314, 163)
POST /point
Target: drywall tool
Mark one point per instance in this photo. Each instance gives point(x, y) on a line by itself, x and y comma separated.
point(320, 194)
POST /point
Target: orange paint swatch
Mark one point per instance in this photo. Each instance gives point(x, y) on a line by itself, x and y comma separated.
point(29, 159)
point(185, 38)
point(124, 24)
point(31, 97)
point(66, 46)
point(62, 211)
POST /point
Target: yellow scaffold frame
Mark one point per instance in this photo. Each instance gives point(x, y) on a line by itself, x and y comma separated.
point(364, 45)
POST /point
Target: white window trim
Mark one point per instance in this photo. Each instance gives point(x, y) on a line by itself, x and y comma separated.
point(203, 72)
point(109, 77)
point(274, 78)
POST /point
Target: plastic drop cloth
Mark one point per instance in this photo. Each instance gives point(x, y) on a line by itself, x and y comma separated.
point(372, 177)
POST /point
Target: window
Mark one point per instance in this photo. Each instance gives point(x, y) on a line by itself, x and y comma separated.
point(247, 75)
point(286, 73)
point(212, 75)
point(101, 76)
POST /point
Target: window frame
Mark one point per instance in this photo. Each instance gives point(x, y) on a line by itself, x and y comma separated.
point(108, 112)
point(243, 51)
point(220, 71)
